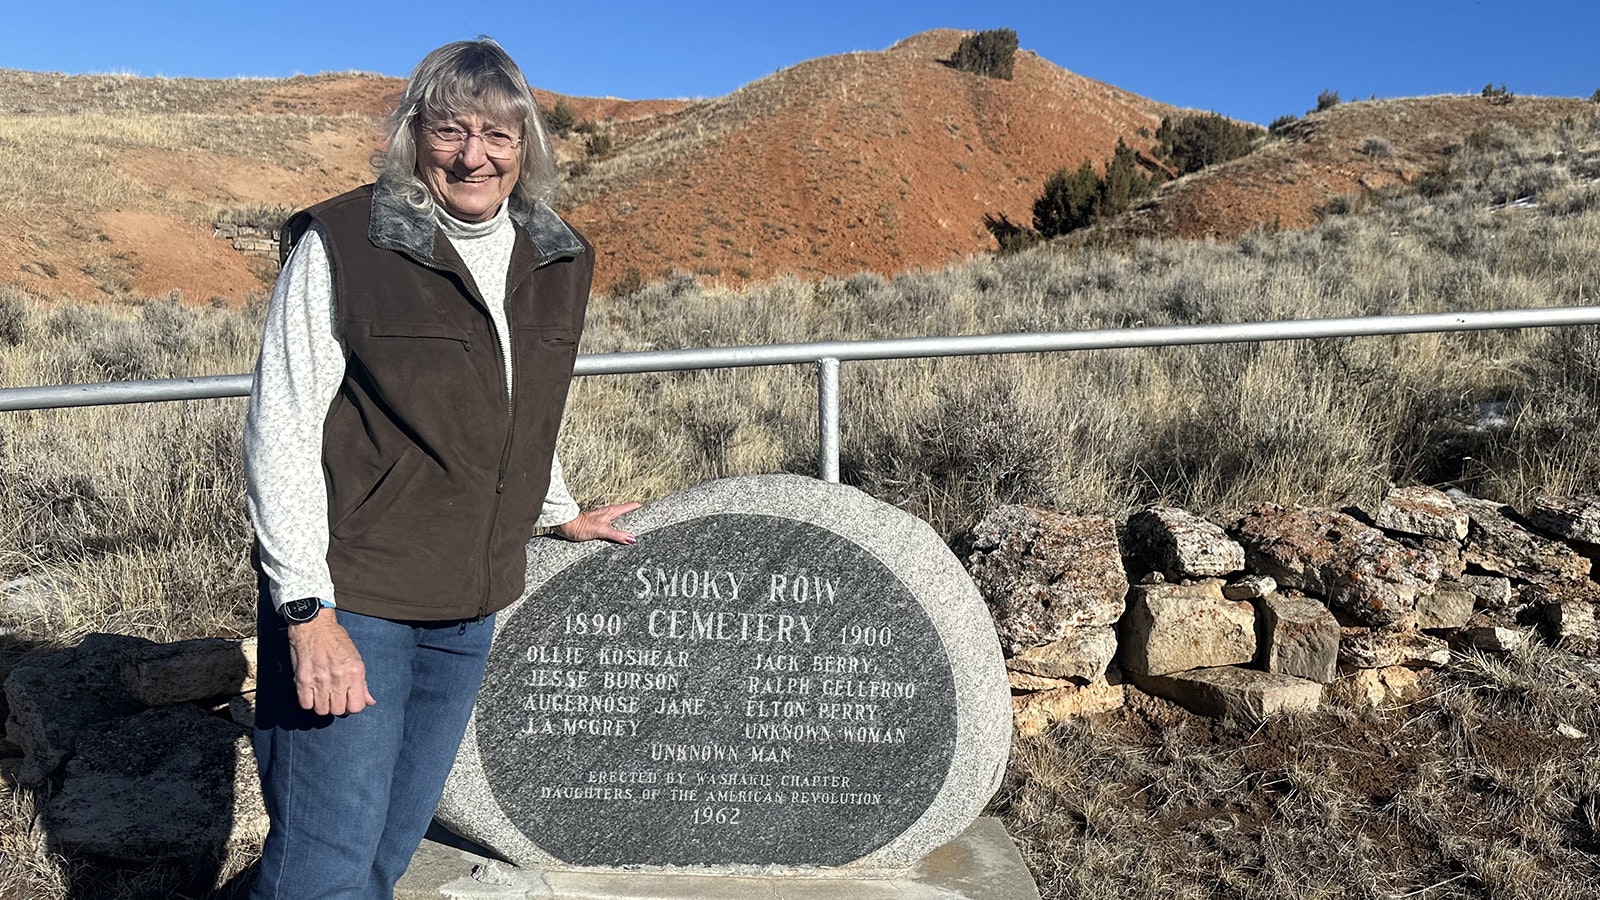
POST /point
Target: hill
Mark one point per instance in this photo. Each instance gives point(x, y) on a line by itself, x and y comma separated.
point(866, 161)
point(113, 182)
point(1334, 157)
point(884, 161)
point(875, 161)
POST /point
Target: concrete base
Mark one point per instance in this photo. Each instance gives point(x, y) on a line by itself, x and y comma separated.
point(981, 864)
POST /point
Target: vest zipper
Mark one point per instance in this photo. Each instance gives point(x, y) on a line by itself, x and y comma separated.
point(508, 376)
point(508, 367)
point(511, 431)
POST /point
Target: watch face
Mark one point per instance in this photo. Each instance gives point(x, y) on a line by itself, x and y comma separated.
point(303, 610)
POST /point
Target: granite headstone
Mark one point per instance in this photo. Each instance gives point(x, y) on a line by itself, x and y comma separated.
point(781, 675)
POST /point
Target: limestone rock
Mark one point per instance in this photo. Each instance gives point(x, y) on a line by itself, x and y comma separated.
point(1044, 574)
point(1250, 587)
point(1023, 681)
point(1488, 591)
point(1569, 518)
point(1172, 627)
point(1500, 546)
point(1378, 687)
point(1360, 571)
point(169, 783)
point(1034, 713)
point(1493, 638)
point(1233, 692)
point(1298, 637)
point(1448, 553)
point(56, 697)
point(1364, 648)
point(1082, 656)
point(1556, 593)
point(186, 671)
point(1183, 545)
point(1448, 605)
point(1422, 511)
point(1575, 625)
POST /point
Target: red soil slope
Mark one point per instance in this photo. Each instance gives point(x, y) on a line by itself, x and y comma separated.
point(867, 161)
point(1289, 180)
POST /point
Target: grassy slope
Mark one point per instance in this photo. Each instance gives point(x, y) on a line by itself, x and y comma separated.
point(137, 511)
point(1467, 792)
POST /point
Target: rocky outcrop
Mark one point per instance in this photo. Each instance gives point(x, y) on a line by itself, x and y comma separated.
point(1356, 569)
point(1173, 627)
point(1182, 545)
point(1361, 600)
point(1298, 637)
point(1045, 574)
point(167, 783)
point(133, 743)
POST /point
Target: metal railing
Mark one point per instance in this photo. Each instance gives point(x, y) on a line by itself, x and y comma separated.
point(828, 355)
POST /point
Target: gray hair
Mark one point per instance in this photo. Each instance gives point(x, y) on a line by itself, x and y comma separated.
point(467, 78)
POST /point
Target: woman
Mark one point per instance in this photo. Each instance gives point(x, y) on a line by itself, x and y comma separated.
point(399, 453)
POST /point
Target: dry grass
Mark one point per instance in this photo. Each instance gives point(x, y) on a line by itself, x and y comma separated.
point(1206, 426)
point(131, 519)
point(1467, 793)
point(76, 159)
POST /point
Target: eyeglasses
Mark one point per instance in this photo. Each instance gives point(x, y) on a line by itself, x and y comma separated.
point(450, 138)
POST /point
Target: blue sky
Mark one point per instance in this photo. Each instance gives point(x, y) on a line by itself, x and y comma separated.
point(1251, 60)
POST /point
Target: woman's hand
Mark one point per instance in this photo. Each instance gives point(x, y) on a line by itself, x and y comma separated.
point(595, 524)
point(329, 677)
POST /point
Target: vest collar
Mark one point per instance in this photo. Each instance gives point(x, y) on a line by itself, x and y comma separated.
point(397, 225)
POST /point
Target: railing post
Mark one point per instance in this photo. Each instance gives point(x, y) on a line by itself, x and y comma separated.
point(828, 419)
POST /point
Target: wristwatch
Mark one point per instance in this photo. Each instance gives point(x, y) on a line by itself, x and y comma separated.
point(299, 612)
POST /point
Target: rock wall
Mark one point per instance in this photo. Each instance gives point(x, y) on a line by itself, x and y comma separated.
point(1264, 609)
point(258, 243)
point(139, 751)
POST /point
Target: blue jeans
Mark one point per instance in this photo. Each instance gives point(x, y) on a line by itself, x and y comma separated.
point(350, 797)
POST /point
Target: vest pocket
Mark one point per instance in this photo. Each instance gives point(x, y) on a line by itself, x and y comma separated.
point(557, 335)
point(435, 330)
point(383, 492)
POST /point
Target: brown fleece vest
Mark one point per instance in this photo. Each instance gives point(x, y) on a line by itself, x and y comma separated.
point(435, 477)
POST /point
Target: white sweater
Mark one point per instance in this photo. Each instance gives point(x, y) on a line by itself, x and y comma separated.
point(297, 375)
